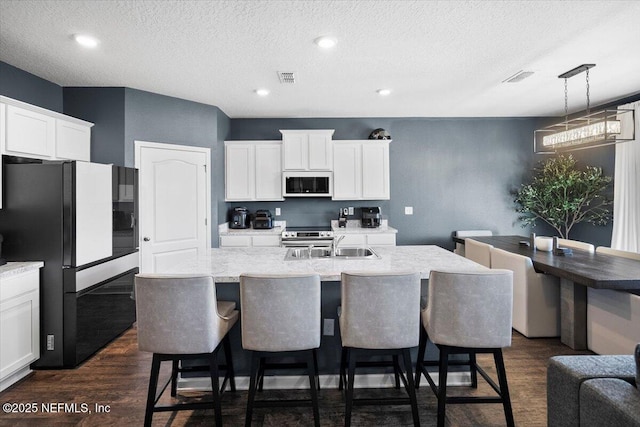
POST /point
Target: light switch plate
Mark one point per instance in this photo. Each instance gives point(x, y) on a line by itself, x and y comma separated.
point(408, 210)
point(350, 210)
point(277, 211)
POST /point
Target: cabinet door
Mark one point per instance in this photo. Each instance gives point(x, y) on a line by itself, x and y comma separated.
point(375, 171)
point(347, 172)
point(29, 133)
point(381, 239)
point(235, 241)
point(295, 146)
point(268, 172)
point(19, 322)
point(320, 152)
point(353, 240)
point(73, 141)
point(239, 172)
point(263, 241)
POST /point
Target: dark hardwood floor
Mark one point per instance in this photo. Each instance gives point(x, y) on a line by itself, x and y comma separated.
point(118, 375)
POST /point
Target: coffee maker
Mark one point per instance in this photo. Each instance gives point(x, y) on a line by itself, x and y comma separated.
point(239, 218)
point(371, 217)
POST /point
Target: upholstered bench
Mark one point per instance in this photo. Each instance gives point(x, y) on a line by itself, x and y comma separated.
point(593, 391)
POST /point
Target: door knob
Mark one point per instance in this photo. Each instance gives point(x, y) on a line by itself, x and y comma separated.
point(146, 239)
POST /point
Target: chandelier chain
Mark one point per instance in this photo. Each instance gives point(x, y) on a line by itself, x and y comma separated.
point(588, 98)
point(566, 101)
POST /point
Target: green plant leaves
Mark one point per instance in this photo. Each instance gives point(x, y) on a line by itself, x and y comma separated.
point(563, 195)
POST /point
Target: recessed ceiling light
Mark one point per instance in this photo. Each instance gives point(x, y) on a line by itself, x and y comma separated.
point(262, 92)
point(86, 41)
point(326, 42)
point(384, 92)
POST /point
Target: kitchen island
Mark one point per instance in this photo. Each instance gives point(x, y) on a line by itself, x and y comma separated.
point(227, 264)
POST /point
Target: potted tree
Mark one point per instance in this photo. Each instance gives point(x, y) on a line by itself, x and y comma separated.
point(563, 195)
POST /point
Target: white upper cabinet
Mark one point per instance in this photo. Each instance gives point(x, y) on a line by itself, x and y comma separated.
point(361, 170)
point(253, 170)
point(31, 131)
point(347, 170)
point(268, 171)
point(307, 149)
point(73, 141)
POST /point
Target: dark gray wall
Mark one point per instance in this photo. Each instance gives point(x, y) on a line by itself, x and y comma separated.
point(103, 106)
point(456, 173)
point(18, 84)
point(157, 118)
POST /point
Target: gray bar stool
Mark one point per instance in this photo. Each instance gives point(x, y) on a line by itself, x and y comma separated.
point(280, 318)
point(468, 313)
point(178, 319)
point(380, 316)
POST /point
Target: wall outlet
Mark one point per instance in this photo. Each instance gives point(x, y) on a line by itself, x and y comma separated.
point(408, 210)
point(328, 327)
point(50, 343)
point(345, 211)
point(277, 211)
point(350, 210)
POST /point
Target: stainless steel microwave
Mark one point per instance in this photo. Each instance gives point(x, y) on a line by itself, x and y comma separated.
point(307, 184)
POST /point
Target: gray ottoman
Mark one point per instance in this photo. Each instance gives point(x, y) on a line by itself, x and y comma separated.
point(565, 376)
point(609, 402)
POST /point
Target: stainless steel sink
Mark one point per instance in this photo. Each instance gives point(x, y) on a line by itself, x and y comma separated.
point(341, 253)
point(356, 253)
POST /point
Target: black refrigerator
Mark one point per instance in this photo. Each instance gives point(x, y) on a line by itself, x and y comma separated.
point(80, 218)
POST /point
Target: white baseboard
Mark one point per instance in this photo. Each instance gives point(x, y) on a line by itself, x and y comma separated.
point(294, 382)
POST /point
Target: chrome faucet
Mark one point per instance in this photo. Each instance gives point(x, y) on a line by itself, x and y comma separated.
point(334, 244)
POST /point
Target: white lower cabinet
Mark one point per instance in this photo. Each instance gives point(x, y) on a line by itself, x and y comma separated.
point(247, 241)
point(19, 325)
point(369, 239)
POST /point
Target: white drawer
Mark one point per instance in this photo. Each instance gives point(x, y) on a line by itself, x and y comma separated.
point(382, 239)
point(235, 241)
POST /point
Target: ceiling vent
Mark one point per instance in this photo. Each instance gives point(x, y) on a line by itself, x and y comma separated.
point(518, 77)
point(286, 77)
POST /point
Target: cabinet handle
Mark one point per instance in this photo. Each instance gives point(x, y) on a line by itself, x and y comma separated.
point(146, 239)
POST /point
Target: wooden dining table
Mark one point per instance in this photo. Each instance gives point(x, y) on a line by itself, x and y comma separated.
point(577, 272)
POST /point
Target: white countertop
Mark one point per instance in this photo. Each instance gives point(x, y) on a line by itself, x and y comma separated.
point(226, 264)
point(278, 227)
point(15, 268)
point(354, 227)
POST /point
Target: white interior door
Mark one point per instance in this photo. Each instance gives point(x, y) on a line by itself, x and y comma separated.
point(174, 204)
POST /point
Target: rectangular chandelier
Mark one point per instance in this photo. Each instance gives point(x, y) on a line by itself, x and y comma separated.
point(593, 130)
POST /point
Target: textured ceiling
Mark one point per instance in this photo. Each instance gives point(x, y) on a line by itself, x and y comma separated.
point(440, 58)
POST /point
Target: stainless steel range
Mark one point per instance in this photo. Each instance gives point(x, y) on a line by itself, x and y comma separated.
point(307, 236)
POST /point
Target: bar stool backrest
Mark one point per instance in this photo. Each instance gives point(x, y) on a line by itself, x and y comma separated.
point(177, 314)
point(470, 309)
point(280, 312)
point(380, 310)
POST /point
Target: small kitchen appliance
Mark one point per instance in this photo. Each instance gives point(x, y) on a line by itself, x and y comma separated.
point(371, 217)
point(263, 220)
point(238, 218)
